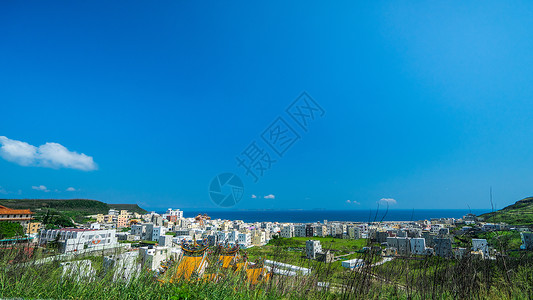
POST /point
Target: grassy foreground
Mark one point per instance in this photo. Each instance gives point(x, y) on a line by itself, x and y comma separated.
point(23, 276)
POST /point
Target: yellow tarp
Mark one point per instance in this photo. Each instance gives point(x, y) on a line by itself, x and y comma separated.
point(253, 275)
point(240, 266)
point(187, 266)
point(226, 260)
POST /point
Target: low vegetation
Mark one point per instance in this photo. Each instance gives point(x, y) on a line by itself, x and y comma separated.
point(81, 206)
point(9, 230)
point(22, 276)
point(520, 213)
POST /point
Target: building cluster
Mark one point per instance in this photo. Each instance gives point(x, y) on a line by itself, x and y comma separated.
point(24, 217)
point(172, 228)
point(347, 230)
point(161, 234)
point(435, 237)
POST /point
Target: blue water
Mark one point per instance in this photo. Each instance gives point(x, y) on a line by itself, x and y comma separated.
point(310, 216)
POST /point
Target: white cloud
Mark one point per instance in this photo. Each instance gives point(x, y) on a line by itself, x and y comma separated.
point(18, 152)
point(49, 155)
point(254, 196)
point(40, 188)
point(352, 202)
point(270, 196)
point(71, 189)
point(348, 201)
point(388, 201)
point(3, 191)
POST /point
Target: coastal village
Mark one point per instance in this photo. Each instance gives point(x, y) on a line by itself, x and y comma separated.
point(155, 241)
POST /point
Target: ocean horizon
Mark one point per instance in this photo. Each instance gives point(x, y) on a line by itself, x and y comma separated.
point(312, 216)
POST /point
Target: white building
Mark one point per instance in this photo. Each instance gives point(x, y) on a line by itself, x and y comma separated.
point(165, 240)
point(312, 248)
point(287, 231)
point(353, 263)
point(158, 231)
point(481, 246)
point(418, 246)
point(435, 228)
point(153, 256)
point(222, 236)
point(174, 212)
point(244, 240)
point(285, 269)
point(233, 237)
point(74, 239)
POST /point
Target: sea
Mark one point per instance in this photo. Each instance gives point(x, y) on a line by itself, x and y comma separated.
point(312, 216)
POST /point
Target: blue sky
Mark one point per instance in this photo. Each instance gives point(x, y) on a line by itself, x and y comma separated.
point(428, 104)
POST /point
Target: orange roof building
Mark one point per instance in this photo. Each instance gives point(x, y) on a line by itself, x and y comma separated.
point(21, 216)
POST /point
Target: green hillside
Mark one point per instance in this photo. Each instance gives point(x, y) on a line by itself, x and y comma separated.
point(520, 213)
point(82, 206)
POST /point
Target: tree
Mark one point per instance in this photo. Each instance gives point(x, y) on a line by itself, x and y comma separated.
point(9, 230)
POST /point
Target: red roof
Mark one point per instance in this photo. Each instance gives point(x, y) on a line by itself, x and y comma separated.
point(8, 211)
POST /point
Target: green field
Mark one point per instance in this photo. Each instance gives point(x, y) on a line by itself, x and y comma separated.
point(520, 213)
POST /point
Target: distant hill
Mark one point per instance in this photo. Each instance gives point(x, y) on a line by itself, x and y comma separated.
point(83, 206)
point(520, 213)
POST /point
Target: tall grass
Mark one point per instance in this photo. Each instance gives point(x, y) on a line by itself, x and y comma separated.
point(22, 275)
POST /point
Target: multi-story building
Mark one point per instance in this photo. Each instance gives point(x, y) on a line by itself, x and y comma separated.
point(322, 230)
point(144, 231)
point(481, 246)
point(310, 230)
point(21, 216)
point(443, 247)
point(158, 231)
point(165, 240)
point(173, 215)
point(244, 240)
point(33, 228)
point(266, 226)
point(299, 230)
point(404, 246)
point(258, 238)
point(429, 237)
point(100, 218)
point(212, 239)
point(381, 236)
point(151, 257)
point(335, 230)
point(354, 232)
point(392, 242)
point(435, 228)
point(418, 246)
point(444, 231)
point(122, 221)
point(287, 231)
point(110, 218)
point(222, 237)
point(312, 248)
point(157, 220)
point(74, 239)
point(175, 212)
